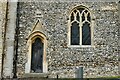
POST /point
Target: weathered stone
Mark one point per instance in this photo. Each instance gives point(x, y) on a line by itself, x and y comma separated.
point(98, 60)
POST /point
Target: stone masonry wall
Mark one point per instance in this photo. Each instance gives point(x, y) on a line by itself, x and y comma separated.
point(9, 39)
point(2, 24)
point(100, 60)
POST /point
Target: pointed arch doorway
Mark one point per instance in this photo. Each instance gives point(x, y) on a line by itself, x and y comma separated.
point(36, 55)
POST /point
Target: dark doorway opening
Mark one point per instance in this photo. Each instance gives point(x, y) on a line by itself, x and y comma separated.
point(37, 56)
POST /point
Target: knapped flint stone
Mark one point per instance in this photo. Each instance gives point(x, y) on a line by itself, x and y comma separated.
point(98, 61)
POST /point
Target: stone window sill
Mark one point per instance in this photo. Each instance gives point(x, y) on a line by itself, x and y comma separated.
point(82, 46)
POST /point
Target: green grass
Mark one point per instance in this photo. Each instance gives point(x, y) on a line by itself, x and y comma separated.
point(112, 77)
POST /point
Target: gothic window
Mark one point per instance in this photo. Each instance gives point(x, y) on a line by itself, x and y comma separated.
point(37, 56)
point(80, 26)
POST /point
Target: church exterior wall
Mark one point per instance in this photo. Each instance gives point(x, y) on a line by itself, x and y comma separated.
point(98, 60)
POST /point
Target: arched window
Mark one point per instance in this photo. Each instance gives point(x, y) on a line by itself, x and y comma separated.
point(80, 26)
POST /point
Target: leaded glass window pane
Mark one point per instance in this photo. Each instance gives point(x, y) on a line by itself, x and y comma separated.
point(83, 17)
point(86, 34)
point(72, 17)
point(88, 17)
point(78, 17)
point(75, 34)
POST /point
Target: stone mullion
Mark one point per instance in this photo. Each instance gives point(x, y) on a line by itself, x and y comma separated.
point(69, 32)
point(80, 24)
point(85, 16)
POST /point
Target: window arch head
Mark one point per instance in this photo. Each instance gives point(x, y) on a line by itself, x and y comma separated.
point(80, 14)
point(80, 26)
